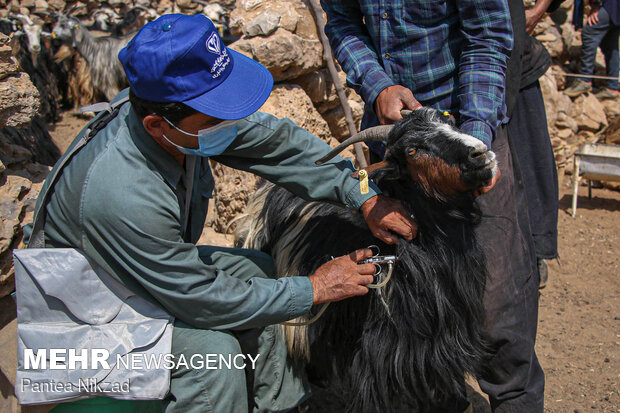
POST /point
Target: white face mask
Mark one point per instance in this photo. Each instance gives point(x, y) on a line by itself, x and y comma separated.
point(211, 141)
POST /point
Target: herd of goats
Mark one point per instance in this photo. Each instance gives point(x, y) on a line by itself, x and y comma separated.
point(73, 61)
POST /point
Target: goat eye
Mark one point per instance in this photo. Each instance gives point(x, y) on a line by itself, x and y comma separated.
point(412, 151)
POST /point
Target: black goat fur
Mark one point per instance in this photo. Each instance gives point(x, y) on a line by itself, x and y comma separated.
point(408, 346)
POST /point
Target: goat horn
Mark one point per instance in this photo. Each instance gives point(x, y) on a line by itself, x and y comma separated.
point(23, 17)
point(405, 112)
point(75, 8)
point(376, 133)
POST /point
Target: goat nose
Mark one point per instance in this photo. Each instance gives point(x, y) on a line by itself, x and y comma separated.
point(476, 153)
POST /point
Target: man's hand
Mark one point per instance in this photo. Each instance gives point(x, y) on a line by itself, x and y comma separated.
point(390, 102)
point(593, 17)
point(532, 17)
point(342, 277)
point(491, 184)
point(384, 215)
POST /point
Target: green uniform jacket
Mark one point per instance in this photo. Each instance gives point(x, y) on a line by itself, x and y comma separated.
point(120, 198)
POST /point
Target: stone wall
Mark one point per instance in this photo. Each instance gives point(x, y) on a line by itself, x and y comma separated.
point(572, 122)
point(21, 177)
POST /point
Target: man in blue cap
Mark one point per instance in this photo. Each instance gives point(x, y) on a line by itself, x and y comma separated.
point(123, 201)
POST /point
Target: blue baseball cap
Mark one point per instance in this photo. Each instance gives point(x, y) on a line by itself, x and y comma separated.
point(179, 58)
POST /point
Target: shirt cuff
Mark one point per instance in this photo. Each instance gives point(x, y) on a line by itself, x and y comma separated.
point(302, 296)
point(374, 83)
point(355, 198)
point(479, 130)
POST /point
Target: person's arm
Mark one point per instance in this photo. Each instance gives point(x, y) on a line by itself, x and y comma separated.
point(487, 30)
point(354, 49)
point(283, 153)
point(132, 228)
point(533, 15)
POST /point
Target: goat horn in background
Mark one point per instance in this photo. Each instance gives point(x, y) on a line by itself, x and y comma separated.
point(25, 18)
point(75, 8)
point(376, 133)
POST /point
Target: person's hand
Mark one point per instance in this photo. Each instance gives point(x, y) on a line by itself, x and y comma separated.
point(390, 102)
point(593, 17)
point(342, 277)
point(532, 17)
point(384, 215)
point(490, 185)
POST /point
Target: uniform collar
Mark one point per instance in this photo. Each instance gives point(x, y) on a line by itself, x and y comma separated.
point(163, 162)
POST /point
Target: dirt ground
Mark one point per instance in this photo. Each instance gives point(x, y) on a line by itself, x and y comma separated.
point(579, 322)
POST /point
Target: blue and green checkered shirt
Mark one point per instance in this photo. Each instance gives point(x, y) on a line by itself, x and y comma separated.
point(451, 53)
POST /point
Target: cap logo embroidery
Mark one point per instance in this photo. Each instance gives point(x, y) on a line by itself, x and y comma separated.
point(213, 44)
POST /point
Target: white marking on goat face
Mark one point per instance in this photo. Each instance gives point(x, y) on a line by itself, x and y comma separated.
point(464, 138)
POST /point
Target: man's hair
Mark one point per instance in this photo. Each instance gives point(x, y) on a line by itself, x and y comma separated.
point(173, 111)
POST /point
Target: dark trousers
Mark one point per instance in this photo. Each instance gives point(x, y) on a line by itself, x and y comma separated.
point(528, 131)
point(514, 379)
point(604, 34)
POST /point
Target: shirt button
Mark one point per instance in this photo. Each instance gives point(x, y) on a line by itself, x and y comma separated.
point(167, 27)
point(384, 15)
point(387, 56)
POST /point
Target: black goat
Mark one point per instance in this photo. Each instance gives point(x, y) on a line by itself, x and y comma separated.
point(409, 345)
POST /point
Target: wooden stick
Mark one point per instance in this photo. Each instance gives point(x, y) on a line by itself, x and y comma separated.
point(327, 53)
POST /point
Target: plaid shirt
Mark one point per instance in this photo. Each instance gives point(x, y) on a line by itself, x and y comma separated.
point(451, 53)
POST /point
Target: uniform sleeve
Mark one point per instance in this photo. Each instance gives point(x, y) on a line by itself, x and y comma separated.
point(143, 243)
point(283, 153)
point(353, 48)
point(487, 29)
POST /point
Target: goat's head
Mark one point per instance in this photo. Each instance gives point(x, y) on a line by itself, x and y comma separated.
point(427, 146)
point(64, 28)
point(66, 25)
point(32, 29)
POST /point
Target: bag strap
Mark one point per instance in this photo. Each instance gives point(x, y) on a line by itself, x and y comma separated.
point(37, 238)
point(190, 168)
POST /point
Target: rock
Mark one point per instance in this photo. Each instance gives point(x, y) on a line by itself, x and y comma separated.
point(295, 17)
point(589, 113)
point(550, 93)
point(564, 134)
point(611, 107)
point(612, 133)
point(286, 55)
point(550, 37)
point(233, 189)
point(566, 122)
point(290, 101)
point(2, 168)
point(563, 104)
point(19, 101)
point(56, 4)
point(337, 122)
point(264, 24)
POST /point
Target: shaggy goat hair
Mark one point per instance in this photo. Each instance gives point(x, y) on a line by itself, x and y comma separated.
point(409, 345)
point(107, 73)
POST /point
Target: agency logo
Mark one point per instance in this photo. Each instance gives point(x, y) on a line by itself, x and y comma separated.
point(213, 44)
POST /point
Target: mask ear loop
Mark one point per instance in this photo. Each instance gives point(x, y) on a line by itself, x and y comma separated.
point(181, 130)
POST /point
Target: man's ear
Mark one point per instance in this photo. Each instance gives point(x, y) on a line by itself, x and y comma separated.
point(154, 125)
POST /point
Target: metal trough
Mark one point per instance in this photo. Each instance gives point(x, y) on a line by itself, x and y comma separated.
point(595, 161)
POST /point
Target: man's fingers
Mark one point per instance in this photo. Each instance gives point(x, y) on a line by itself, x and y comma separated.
point(361, 254)
point(413, 105)
point(366, 269)
point(365, 279)
point(361, 289)
point(386, 236)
